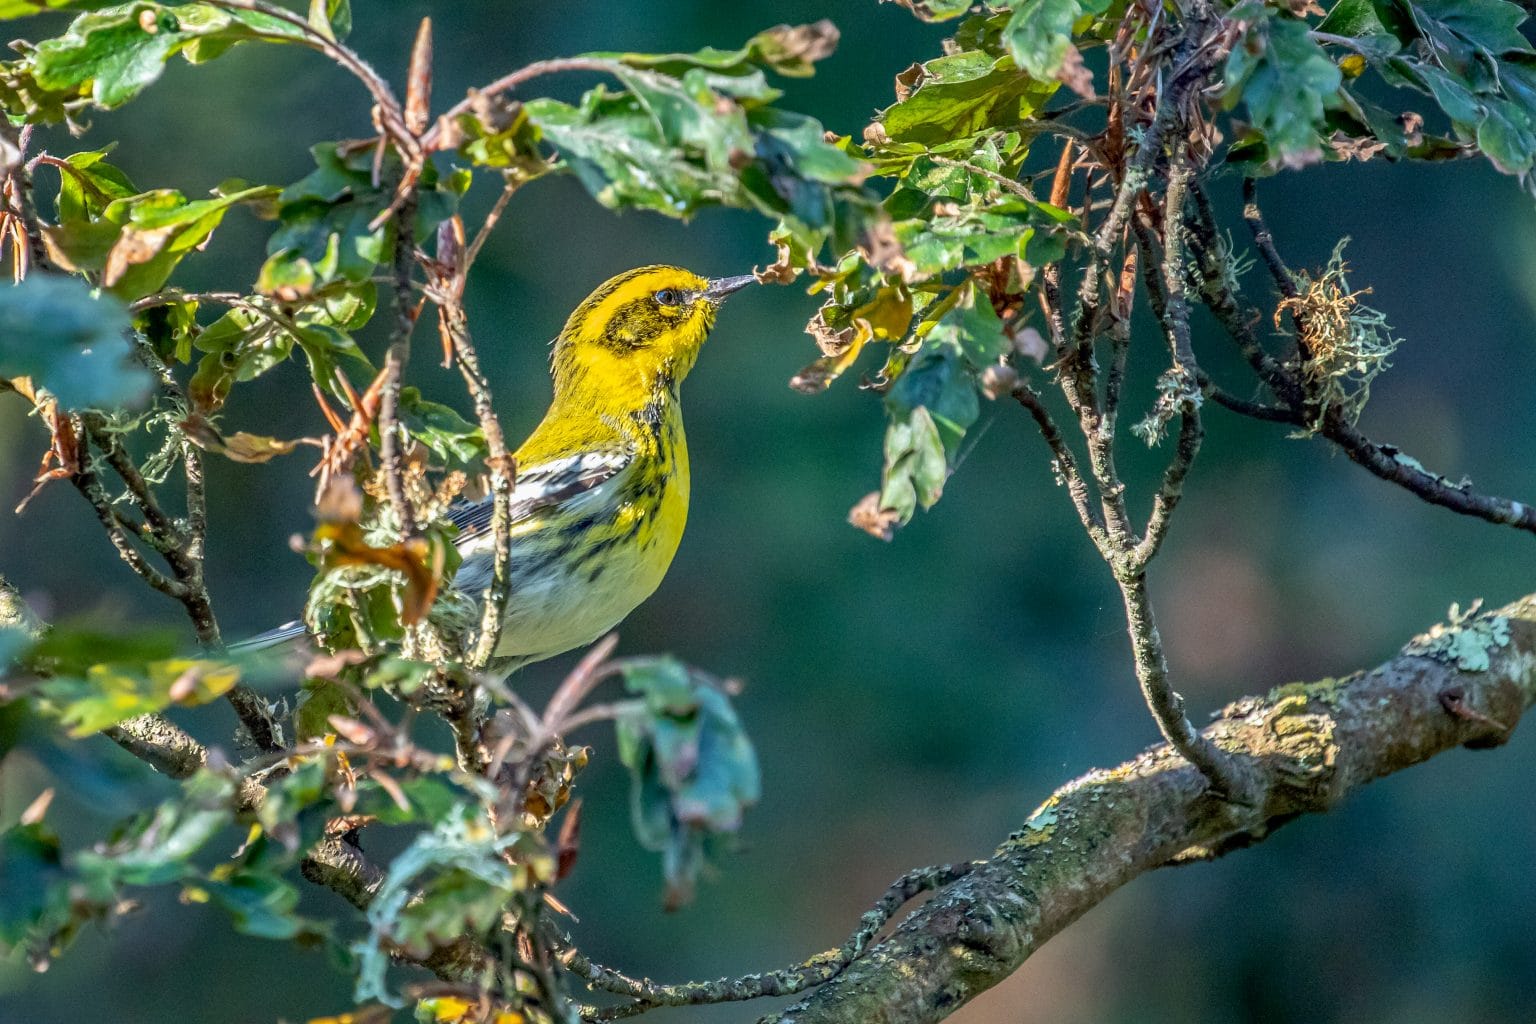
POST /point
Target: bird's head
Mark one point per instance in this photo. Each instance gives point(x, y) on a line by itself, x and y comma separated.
point(639, 333)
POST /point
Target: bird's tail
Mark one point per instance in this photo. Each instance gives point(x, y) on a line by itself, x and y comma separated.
point(272, 638)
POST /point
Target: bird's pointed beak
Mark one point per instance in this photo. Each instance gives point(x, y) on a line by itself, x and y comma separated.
point(720, 287)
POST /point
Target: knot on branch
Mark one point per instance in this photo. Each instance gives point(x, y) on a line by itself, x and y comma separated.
point(986, 930)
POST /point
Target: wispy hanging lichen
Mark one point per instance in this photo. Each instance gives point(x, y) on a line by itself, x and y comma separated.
point(1345, 344)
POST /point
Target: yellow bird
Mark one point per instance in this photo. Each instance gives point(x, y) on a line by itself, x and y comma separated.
point(602, 483)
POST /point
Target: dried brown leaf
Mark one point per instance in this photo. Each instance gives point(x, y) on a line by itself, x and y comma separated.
point(37, 808)
point(801, 46)
point(568, 846)
point(1074, 74)
point(134, 246)
point(418, 88)
point(868, 516)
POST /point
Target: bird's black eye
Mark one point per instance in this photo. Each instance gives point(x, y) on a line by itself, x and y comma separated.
point(669, 297)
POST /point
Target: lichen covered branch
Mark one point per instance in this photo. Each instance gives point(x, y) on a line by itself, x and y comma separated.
point(1309, 747)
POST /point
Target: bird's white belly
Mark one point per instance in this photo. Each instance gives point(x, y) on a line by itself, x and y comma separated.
point(564, 607)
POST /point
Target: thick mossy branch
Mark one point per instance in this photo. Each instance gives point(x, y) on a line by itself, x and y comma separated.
point(1309, 746)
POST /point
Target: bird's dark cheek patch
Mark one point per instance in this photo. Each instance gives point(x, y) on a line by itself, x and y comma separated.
point(634, 325)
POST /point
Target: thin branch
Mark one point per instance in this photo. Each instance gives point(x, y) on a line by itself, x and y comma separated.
point(1396, 466)
point(395, 359)
point(1174, 315)
point(472, 253)
point(1284, 280)
point(1226, 778)
point(798, 977)
point(1311, 746)
point(390, 115)
point(506, 83)
point(1008, 184)
point(182, 552)
point(1191, 432)
point(455, 326)
point(1218, 292)
point(1383, 460)
point(89, 486)
point(1066, 465)
point(1243, 407)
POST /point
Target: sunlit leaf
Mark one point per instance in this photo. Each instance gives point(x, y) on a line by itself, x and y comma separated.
point(114, 53)
point(110, 693)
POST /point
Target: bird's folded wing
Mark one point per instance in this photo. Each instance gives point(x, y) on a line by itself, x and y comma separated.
point(542, 487)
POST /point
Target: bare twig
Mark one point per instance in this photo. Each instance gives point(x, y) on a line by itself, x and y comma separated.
point(506, 83)
point(1066, 465)
point(817, 970)
point(395, 359)
point(1383, 460)
point(472, 253)
point(1284, 280)
point(455, 326)
point(388, 108)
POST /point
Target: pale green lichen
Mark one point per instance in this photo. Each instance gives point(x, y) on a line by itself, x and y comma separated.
point(1467, 640)
point(1042, 824)
point(1345, 343)
point(1325, 691)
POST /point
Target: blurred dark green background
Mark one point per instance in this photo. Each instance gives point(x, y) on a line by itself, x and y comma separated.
point(911, 702)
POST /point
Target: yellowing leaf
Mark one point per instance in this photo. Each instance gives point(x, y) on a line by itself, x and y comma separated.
point(819, 375)
point(111, 693)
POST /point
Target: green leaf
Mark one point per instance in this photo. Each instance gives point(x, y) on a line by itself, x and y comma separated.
point(974, 235)
point(114, 53)
point(325, 233)
point(71, 342)
point(506, 139)
point(456, 879)
point(260, 904)
point(169, 328)
point(331, 18)
point(32, 876)
point(452, 904)
point(1285, 79)
point(1039, 35)
point(972, 327)
point(790, 50)
point(429, 798)
point(937, 381)
point(915, 468)
point(1354, 19)
point(692, 767)
point(290, 798)
point(616, 150)
point(158, 848)
point(10, 9)
point(936, 10)
point(145, 237)
point(1466, 36)
point(931, 406)
point(449, 436)
point(962, 95)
